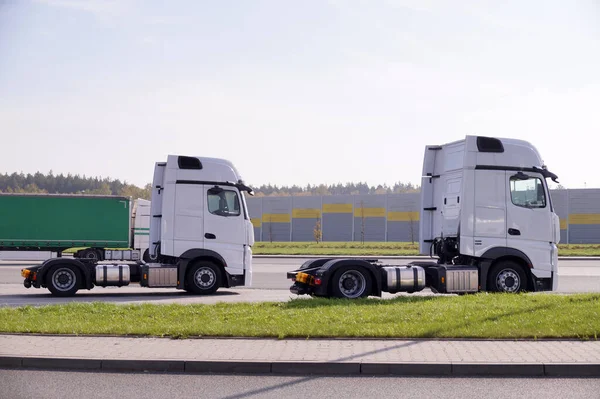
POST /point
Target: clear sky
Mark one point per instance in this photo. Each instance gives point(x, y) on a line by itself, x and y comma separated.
point(295, 92)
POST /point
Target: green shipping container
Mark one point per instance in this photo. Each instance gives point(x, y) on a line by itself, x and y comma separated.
point(52, 221)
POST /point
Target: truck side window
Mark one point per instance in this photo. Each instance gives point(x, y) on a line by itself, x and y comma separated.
point(528, 193)
point(223, 202)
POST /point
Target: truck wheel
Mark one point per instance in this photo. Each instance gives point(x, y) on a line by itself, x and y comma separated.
point(203, 278)
point(507, 276)
point(90, 253)
point(351, 283)
point(63, 280)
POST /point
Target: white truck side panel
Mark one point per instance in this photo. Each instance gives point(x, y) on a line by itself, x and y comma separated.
point(167, 226)
point(426, 217)
point(442, 189)
point(451, 204)
point(429, 198)
point(188, 226)
point(248, 266)
point(467, 217)
point(489, 212)
point(141, 225)
point(156, 206)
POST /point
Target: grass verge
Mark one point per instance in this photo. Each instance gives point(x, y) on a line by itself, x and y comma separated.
point(335, 248)
point(470, 316)
point(382, 248)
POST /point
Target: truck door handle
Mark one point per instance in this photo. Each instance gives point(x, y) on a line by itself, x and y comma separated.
point(514, 232)
point(210, 236)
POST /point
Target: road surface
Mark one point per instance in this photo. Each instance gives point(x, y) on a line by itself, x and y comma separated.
point(270, 284)
point(37, 384)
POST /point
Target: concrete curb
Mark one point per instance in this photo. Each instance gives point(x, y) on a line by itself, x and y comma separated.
point(306, 368)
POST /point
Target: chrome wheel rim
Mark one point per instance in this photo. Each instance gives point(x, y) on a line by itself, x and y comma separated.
point(64, 279)
point(508, 281)
point(205, 277)
point(352, 284)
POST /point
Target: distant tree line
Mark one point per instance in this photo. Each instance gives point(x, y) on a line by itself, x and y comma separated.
point(334, 189)
point(69, 184)
point(75, 184)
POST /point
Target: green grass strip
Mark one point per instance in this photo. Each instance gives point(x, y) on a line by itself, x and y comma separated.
point(483, 315)
point(381, 248)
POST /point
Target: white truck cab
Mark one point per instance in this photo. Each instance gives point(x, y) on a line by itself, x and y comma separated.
point(485, 201)
point(486, 215)
point(200, 236)
point(199, 215)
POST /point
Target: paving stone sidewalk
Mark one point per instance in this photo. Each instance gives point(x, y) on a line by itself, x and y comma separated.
point(299, 355)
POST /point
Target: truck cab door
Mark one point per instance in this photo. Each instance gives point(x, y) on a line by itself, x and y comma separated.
point(224, 225)
point(530, 220)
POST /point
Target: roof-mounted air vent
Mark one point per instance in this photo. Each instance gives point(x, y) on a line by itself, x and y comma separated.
point(489, 144)
point(189, 163)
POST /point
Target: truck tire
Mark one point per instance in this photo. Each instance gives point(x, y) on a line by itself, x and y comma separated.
point(203, 278)
point(351, 283)
point(63, 280)
point(90, 253)
point(146, 257)
point(507, 276)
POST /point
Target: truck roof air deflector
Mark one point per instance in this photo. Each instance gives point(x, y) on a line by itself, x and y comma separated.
point(489, 144)
point(188, 163)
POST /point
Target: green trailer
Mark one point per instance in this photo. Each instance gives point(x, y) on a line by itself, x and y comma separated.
point(57, 222)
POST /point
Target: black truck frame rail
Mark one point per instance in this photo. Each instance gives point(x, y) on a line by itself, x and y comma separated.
point(334, 277)
point(316, 277)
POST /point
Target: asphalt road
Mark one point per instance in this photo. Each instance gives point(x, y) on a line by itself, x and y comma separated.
point(38, 384)
point(270, 284)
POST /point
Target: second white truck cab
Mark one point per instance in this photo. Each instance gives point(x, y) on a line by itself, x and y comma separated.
point(486, 214)
point(200, 236)
point(485, 201)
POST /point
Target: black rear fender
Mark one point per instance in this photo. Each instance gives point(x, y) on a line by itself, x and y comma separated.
point(85, 270)
point(498, 254)
point(314, 263)
point(311, 266)
point(331, 266)
point(193, 255)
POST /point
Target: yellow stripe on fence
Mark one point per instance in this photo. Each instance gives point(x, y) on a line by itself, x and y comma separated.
point(276, 218)
point(306, 213)
point(369, 212)
point(403, 216)
point(314, 213)
point(337, 208)
point(584, 218)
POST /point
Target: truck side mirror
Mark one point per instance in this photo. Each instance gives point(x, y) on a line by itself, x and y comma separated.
point(243, 187)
